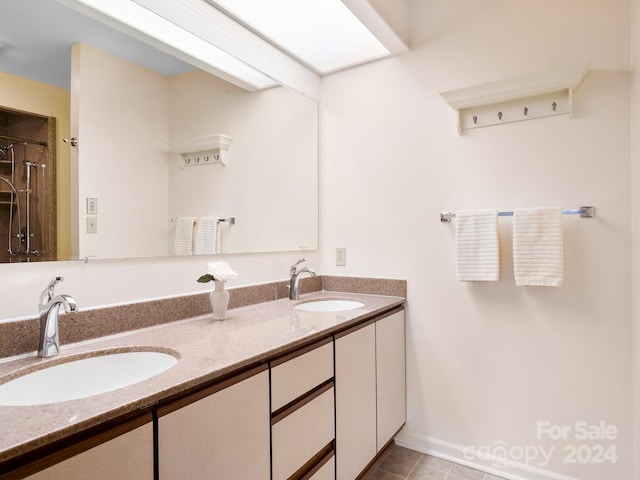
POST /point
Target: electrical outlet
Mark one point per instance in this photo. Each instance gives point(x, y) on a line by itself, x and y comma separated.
point(341, 257)
point(92, 224)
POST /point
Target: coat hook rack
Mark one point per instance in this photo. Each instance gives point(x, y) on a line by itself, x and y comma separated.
point(515, 99)
point(209, 150)
point(555, 103)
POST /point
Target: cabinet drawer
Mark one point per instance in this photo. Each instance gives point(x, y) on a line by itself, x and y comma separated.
point(326, 472)
point(295, 377)
point(301, 435)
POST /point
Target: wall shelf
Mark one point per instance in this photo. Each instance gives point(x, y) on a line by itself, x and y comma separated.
point(537, 95)
point(207, 150)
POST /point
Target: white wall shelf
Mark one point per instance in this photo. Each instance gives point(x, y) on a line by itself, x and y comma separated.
point(207, 150)
point(537, 95)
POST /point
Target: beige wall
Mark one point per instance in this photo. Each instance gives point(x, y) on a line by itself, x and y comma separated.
point(31, 96)
point(123, 127)
point(487, 362)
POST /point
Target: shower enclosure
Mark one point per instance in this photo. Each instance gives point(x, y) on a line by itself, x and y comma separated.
point(27, 187)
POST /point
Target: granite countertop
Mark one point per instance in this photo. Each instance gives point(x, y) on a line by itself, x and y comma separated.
point(206, 349)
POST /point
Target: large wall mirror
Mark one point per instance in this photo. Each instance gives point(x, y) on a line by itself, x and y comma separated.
point(145, 177)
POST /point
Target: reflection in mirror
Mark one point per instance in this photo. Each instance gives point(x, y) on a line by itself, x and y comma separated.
point(27, 187)
point(130, 116)
point(128, 128)
point(269, 184)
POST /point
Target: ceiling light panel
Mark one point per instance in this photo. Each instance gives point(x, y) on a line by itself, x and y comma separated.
point(147, 26)
point(325, 34)
point(217, 28)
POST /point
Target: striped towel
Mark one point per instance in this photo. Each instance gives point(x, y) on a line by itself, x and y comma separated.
point(183, 240)
point(477, 248)
point(207, 239)
point(538, 253)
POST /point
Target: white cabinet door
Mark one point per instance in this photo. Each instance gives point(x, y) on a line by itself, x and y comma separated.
point(224, 435)
point(390, 372)
point(127, 457)
point(355, 383)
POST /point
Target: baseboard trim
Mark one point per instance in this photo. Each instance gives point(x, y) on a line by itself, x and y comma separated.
point(456, 453)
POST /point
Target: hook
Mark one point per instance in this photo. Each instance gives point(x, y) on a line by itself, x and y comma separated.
point(499, 115)
point(475, 119)
point(554, 106)
point(526, 111)
point(73, 141)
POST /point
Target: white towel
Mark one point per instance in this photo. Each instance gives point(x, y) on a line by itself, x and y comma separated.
point(477, 248)
point(538, 252)
point(207, 236)
point(183, 244)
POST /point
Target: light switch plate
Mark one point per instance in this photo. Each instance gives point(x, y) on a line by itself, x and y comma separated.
point(341, 257)
point(92, 206)
point(92, 224)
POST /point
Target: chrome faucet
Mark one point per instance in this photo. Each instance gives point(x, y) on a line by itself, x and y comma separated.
point(294, 280)
point(49, 307)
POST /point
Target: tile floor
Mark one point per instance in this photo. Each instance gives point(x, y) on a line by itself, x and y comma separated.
point(405, 464)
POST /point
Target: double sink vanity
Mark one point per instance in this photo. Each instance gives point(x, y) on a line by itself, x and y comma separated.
point(282, 389)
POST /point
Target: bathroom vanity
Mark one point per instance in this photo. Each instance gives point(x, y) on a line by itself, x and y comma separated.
point(274, 392)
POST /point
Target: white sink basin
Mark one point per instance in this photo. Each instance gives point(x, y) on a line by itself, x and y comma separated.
point(328, 305)
point(84, 377)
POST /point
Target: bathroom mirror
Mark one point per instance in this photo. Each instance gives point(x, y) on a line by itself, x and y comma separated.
point(133, 110)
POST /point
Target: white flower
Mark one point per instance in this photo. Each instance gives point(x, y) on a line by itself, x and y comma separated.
point(218, 271)
point(221, 270)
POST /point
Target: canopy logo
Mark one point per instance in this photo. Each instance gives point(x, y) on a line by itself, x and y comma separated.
point(583, 443)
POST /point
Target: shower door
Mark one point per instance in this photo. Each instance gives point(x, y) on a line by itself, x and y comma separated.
point(27, 187)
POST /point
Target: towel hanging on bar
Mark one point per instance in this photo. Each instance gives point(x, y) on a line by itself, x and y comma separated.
point(206, 239)
point(477, 246)
point(538, 258)
point(183, 240)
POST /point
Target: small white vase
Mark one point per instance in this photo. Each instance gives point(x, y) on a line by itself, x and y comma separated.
point(219, 300)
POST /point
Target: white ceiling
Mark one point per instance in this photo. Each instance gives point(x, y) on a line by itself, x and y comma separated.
point(38, 35)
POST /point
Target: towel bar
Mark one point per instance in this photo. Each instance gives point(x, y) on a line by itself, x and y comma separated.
point(229, 220)
point(584, 212)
